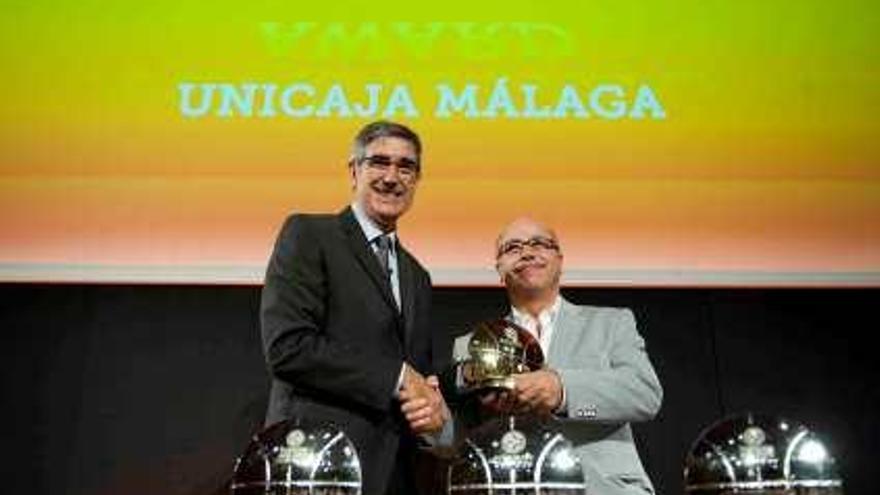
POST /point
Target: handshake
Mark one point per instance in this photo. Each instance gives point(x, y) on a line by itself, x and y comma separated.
point(422, 403)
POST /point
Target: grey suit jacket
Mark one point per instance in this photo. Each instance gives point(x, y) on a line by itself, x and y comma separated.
point(609, 382)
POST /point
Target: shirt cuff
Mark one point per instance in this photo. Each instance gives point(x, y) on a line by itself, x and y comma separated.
point(396, 393)
point(444, 438)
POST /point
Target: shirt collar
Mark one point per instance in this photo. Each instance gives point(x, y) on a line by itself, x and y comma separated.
point(369, 228)
point(547, 317)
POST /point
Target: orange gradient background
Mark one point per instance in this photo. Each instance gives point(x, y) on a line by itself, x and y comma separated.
point(764, 172)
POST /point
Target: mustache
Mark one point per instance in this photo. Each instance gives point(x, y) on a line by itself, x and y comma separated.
point(383, 186)
point(522, 265)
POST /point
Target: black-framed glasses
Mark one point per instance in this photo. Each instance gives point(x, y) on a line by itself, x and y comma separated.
point(406, 167)
point(515, 247)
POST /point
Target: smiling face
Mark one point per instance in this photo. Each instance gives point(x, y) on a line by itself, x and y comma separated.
point(529, 260)
point(385, 192)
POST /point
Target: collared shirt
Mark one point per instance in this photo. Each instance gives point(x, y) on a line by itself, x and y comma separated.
point(371, 232)
point(547, 319)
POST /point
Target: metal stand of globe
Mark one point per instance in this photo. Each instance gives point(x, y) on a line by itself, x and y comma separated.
point(298, 457)
point(497, 349)
point(751, 454)
point(513, 455)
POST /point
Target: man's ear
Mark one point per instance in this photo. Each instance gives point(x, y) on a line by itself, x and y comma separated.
point(352, 172)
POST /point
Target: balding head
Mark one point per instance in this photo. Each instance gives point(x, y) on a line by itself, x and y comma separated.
point(529, 259)
point(524, 226)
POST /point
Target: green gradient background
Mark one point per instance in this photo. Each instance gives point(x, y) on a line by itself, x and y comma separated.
point(767, 162)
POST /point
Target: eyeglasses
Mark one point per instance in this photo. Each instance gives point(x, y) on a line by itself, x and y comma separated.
point(407, 168)
point(515, 247)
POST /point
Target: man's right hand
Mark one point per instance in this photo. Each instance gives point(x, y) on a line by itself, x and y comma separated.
point(422, 403)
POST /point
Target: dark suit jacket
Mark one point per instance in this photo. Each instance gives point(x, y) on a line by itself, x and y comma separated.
point(334, 339)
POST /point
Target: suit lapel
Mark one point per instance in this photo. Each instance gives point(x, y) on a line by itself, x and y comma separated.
point(407, 291)
point(357, 243)
point(563, 330)
point(562, 333)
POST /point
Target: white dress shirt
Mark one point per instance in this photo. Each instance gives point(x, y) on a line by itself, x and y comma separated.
point(546, 318)
point(371, 232)
point(543, 333)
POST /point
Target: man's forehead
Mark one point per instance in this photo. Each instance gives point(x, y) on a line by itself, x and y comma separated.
point(525, 229)
point(392, 143)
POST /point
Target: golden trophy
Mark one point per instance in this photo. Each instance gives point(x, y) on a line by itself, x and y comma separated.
point(498, 349)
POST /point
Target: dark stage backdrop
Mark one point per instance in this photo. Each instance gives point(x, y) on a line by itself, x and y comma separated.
point(145, 390)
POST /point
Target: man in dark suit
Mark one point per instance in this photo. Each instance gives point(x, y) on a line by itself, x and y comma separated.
point(344, 317)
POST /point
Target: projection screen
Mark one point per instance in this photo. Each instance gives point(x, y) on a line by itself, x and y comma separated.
point(685, 143)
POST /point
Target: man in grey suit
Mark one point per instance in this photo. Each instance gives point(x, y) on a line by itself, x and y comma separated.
point(597, 378)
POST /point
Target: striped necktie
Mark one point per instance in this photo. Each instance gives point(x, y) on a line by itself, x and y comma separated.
point(383, 248)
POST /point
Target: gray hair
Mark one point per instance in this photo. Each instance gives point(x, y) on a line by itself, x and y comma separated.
point(381, 129)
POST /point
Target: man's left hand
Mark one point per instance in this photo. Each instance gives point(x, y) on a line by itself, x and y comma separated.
point(538, 392)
